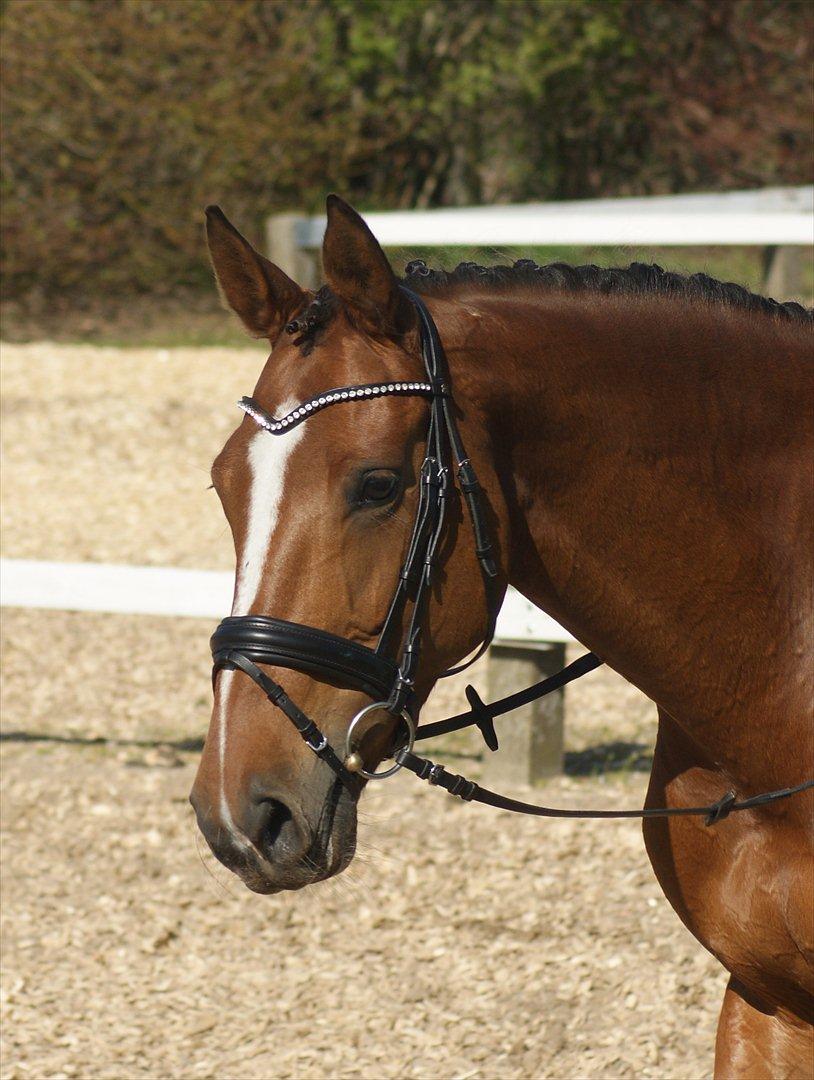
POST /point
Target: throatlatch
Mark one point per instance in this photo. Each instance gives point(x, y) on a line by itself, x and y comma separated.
point(244, 641)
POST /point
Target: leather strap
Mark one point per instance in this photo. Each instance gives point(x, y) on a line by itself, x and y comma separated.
point(278, 425)
point(469, 791)
point(311, 734)
point(435, 362)
point(438, 372)
point(305, 648)
point(482, 715)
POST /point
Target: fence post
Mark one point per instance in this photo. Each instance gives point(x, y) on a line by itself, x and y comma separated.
point(283, 250)
point(783, 270)
point(531, 739)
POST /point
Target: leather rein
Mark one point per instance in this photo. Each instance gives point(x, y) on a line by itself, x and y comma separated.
point(245, 641)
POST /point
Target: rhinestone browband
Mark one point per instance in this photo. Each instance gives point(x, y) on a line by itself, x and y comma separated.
point(342, 393)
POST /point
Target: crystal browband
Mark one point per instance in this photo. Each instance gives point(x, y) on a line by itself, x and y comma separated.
point(276, 426)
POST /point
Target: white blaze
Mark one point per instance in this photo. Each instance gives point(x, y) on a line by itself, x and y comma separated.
point(268, 458)
point(224, 685)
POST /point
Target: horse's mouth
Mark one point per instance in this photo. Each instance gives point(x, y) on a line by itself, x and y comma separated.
point(332, 848)
point(263, 877)
point(266, 886)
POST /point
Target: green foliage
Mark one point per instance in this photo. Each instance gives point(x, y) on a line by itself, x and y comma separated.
point(123, 118)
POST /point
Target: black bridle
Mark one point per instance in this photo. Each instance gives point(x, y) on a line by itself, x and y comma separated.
point(246, 641)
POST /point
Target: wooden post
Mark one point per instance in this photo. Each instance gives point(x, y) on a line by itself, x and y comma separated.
point(284, 250)
point(531, 739)
point(783, 269)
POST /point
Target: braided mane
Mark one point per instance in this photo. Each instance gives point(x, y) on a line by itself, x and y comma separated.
point(637, 279)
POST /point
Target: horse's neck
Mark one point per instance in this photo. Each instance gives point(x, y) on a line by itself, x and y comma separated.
point(654, 491)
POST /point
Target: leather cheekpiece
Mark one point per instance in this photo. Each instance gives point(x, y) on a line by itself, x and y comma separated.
point(304, 648)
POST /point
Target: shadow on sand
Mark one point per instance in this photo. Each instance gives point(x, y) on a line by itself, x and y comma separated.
point(609, 757)
point(183, 745)
point(593, 761)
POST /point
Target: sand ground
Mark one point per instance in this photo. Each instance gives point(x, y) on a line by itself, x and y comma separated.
point(461, 943)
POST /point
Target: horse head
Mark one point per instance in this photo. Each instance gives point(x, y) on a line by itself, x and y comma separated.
point(323, 505)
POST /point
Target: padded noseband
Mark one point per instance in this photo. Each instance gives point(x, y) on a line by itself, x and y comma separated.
point(304, 648)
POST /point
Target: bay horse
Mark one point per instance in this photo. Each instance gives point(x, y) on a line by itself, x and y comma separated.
point(644, 444)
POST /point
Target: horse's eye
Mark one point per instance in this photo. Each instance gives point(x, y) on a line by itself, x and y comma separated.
point(378, 487)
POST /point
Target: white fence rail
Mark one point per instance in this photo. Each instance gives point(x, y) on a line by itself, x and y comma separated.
point(164, 590)
point(774, 218)
point(115, 588)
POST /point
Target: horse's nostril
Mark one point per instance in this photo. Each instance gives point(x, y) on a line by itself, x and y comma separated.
point(277, 817)
point(277, 833)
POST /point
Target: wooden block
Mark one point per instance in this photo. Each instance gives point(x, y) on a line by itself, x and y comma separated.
point(531, 738)
point(284, 250)
point(784, 269)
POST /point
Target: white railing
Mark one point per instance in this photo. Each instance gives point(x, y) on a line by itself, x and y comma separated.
point(166, 590)
point(772, 216)
point(778, 219)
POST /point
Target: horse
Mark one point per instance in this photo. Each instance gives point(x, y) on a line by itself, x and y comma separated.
point(643, 446)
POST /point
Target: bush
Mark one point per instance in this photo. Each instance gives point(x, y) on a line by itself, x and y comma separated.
point(124, 118)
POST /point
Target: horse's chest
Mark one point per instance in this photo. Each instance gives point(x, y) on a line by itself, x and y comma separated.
point(743, 887)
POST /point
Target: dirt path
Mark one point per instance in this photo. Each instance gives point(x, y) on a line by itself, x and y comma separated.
point(462, 943)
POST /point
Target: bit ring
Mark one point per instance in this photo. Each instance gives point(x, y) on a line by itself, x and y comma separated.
point(349, 751)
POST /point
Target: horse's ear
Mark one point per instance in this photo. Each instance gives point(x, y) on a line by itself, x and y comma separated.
point(255, 289)
point(358, 272)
